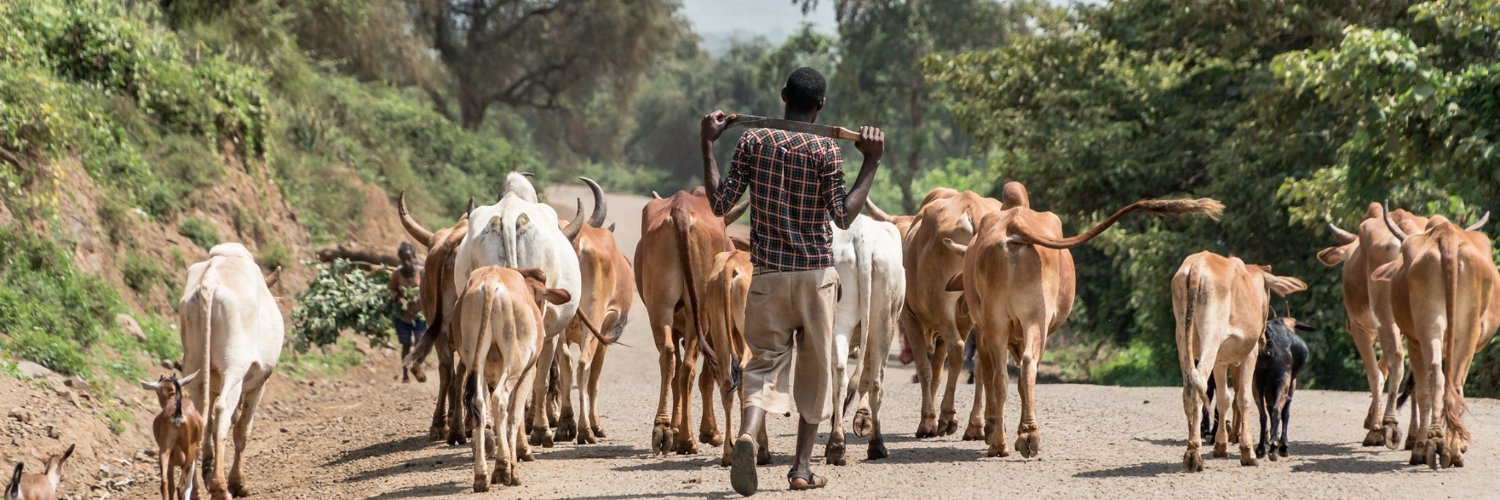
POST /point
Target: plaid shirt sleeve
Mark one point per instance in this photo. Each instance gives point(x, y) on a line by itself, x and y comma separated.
point(733, 185)
point(832, 174)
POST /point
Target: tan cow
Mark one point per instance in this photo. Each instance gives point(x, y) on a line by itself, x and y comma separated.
point(1368, 304)
point(680, 235)
point(42, 486)
point(723, 313)
point(1018, 283)
point(438, 298)
point(932, 321)
point(608, 293)
point(1221, 305)
point(498, 327)
point(1444, 298)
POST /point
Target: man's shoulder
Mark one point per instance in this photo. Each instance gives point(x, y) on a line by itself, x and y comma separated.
point(789, 140)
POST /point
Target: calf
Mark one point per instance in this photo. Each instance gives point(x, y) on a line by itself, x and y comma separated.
point(1276, 371)
point(498, 327)
point(38, 486)
point(723, 320)
point(1220, 304)
point(178, 429)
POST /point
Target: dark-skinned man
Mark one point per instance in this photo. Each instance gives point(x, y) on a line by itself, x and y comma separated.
point(796, 185)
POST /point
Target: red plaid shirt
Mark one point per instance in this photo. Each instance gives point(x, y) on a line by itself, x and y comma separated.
point(796, 186)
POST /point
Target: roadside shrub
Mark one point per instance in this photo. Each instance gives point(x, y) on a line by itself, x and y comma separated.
point(56, 353)
point(200, 232)
point(342, 296)
point(41, 292)
point(162, 339)
point(143, 273)
point(274, 255)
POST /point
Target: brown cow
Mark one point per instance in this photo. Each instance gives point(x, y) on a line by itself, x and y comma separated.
point(1018, 282)
point(1368, 304)
point(680, 235)
point(438, 299)
point(1444, 298)
point(933, 323)
point(1221, 305)
point(723, 318)
point(608, 293)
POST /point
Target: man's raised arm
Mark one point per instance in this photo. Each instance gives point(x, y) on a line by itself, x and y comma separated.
point(872, 145)
point(709, 131)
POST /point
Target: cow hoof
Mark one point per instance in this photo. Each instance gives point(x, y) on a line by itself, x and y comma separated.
point(728, 458)
point(661, 439)
point(974, 433)
point(926, 428)
point(1376, 438)
point(437, 433)
point(525, 455)
point(710, 438)
point(1002, 452)
point(1281, 450)
point(1434, 453)
point(1029, 444)
point(1417, 458)
point(863, 423)
point(567, 429)
point(1260, 452)
point(1392, 434)
point(1247, 458)
point(876, 450)
point(763, 455)
point(686, 447)
point(541, 437)
point(834, 454)
point(599, 432)
point(238, 490)
point(1411, 442)
point(948, 425)
point(1221, 450)
point(586, 436)
point(506, 475)
point(1192, 461)
point(481, 483)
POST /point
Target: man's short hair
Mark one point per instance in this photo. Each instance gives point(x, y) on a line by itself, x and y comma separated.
point(805, 89)
point(405, 249)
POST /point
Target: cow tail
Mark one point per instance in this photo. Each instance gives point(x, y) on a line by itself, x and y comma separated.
point(682, 219)
point(1453, 402)
point(864, 288)
point(1201, 206)
point(418, 355)
point(14, 490)
point(1195, 293)
point(472, 381)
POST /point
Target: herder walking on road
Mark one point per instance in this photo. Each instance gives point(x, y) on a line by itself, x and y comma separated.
point(796, 184)
point(404, 283)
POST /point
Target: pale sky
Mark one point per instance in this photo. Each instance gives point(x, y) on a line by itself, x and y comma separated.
point(718, 21)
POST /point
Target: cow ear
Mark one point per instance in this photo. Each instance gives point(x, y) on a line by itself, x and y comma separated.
point(956, 283)
point(554, 296)
point(740, 243)
point(611, 227)
point(1332, 256)
point(1284, 285)
point(532, 273)
point(1303, 327)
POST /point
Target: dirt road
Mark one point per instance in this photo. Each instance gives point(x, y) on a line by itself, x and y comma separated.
point(366, 437)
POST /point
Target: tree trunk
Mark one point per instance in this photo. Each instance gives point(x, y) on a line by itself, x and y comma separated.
point(471, 106)
point(914, 158)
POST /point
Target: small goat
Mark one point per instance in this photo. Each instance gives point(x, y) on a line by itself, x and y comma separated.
point(38, 486)
point(179, 430)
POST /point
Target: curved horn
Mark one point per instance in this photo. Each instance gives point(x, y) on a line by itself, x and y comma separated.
point(469, 210)
point(654, 195)
point(600, 208)
point(189, 378)
point(417, 232)
point(736, 211)
point(575, 225)
point(875, 211)
point(1385, 215)
point(1340, 235)
point(1480, 223)
point(273, 277)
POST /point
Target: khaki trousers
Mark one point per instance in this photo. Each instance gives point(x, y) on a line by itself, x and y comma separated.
point(789, 315)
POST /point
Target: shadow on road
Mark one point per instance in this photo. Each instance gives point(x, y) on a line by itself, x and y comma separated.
point(1354, 464)
point(426, 490)
point(587, 451)
point(410, 443)
point(458, 459)
point(1138, 470)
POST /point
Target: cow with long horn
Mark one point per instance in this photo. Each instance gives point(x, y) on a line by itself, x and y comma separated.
point(1018, 282)
point(1371, 322)
point(608, 284)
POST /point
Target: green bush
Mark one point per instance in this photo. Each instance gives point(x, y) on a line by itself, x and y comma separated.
point(57, 353)
point(200, 232)
point(274, 255)
point(41, 292)
point(342, 296)
point(143, 273)
point(162, 339)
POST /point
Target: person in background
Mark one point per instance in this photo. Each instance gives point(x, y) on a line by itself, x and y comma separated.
point(404, 285)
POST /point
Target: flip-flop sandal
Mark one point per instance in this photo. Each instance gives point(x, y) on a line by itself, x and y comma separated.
point(742, 471)
point(813, 481)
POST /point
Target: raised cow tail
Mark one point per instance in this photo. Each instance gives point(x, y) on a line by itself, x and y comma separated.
point(1201, 206)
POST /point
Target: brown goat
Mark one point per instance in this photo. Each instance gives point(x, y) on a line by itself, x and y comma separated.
point(178, 429)
point(38, 486)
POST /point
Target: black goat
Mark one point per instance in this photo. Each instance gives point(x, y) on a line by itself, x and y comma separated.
point(1279, 364)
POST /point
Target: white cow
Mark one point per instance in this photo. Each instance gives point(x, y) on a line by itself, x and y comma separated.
point(231, 334)
point(873, 290)
point(517, 232)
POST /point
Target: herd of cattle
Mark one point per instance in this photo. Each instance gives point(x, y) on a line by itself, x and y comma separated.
point(523, 307)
